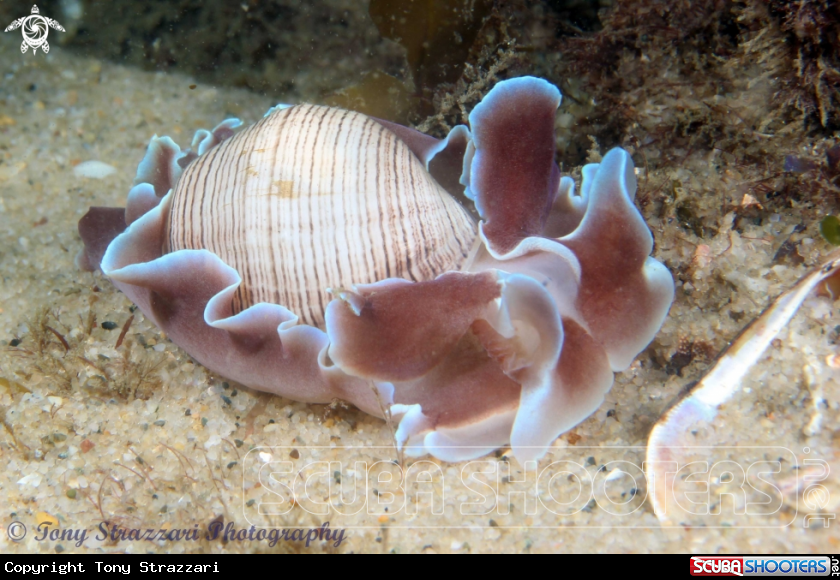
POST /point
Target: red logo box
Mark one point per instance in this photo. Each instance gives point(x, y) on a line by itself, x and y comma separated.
point(716, 566)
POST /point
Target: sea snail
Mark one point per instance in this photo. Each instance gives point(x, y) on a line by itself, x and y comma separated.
point(460, 284)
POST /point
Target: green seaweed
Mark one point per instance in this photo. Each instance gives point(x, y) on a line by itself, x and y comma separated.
point(830, 230)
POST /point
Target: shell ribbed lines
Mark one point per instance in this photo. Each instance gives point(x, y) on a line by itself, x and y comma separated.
point(311, 198)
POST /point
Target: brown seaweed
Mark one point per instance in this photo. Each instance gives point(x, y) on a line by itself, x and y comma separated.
point(437, 34)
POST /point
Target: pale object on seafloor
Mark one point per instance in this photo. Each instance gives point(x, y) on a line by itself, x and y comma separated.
point(698, 405)
point(94, 170)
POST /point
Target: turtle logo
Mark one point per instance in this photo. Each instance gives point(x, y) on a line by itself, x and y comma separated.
point(35, 30)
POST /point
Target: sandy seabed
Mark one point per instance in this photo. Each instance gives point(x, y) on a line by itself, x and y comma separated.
point(141, 437)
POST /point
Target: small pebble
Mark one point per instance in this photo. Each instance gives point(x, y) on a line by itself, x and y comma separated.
point(108, 325)
point(44, 518)
point(94, 170)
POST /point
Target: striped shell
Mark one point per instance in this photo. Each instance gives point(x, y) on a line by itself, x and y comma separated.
point(312, 198)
